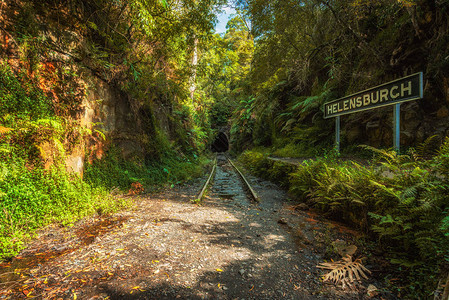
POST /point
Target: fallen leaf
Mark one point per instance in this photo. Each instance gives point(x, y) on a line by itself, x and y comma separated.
point(28, 293)
point(219, 270)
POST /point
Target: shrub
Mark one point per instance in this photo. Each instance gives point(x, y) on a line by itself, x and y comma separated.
point(113, 171)
point(399, 200)
point(32, 198)
point(256, 162)
point(20, 97)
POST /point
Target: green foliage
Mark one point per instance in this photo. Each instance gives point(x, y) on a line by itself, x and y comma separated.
point(113, 171)
point(259, 164)
point(32, 198)
point(279, 172)
point(309, 53)
point(400, 201)
point(243, 124)
point(256, 162)
point(21, 98)
point(222, 70)
point(294, 150)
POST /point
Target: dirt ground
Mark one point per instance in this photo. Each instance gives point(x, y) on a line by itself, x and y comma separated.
point(168, 247)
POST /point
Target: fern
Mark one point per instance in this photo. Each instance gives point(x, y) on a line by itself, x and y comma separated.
point(427, 148)
point(345, 271)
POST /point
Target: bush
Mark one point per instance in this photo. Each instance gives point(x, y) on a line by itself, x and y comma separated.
point(399, 200)
point(21, 98)
point(32, 198)
point(113, 171)
point(256, 162)
point(279, 173)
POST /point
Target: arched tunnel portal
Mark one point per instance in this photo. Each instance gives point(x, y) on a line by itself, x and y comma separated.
point(221, 143)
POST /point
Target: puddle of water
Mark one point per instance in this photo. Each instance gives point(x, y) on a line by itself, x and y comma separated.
point(20, 266)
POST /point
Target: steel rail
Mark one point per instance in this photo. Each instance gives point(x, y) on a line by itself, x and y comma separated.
point(203, 190)
point(250, 188)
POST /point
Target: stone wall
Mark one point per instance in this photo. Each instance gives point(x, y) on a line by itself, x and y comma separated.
point(106, 112)
point(375, 127)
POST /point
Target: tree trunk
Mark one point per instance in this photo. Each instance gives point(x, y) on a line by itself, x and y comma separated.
point(194, 70)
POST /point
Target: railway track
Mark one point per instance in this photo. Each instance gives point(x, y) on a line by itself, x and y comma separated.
point(227, 181)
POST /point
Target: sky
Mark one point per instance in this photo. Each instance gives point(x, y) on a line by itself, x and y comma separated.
point(223, 19)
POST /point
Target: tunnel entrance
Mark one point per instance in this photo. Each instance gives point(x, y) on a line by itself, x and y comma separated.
point(221, 143)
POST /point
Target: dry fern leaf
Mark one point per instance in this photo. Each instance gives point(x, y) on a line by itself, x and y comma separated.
point(345, 270)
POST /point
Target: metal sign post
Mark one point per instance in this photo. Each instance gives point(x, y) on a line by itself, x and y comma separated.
point(337, 134)
point(394, 93)
point(397, 127)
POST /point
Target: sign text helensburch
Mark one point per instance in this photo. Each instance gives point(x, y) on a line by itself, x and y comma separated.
point(404, 89)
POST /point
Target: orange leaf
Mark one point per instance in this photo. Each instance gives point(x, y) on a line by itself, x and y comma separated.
point(4, 130)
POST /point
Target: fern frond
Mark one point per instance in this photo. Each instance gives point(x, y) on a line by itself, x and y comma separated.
point(427, 148)
point(410, 192)
point(385, 154)
point(101, 134)
point(388, 190)
point(345, 270)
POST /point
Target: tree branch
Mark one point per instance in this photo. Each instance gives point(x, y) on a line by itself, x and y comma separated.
point(352, 31)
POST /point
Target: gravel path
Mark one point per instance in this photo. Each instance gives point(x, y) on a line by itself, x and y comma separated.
point(170, 248)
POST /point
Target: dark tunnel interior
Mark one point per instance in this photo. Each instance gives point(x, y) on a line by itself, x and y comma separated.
point(221, 143)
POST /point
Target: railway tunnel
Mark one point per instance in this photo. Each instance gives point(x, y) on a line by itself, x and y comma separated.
point(221, 143)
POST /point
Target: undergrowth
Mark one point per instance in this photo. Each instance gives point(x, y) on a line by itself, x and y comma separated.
point(36, 134)
point(32, 198)
point(113, 171)
point(400, 201)
point(40, 105)
point(35, 188)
